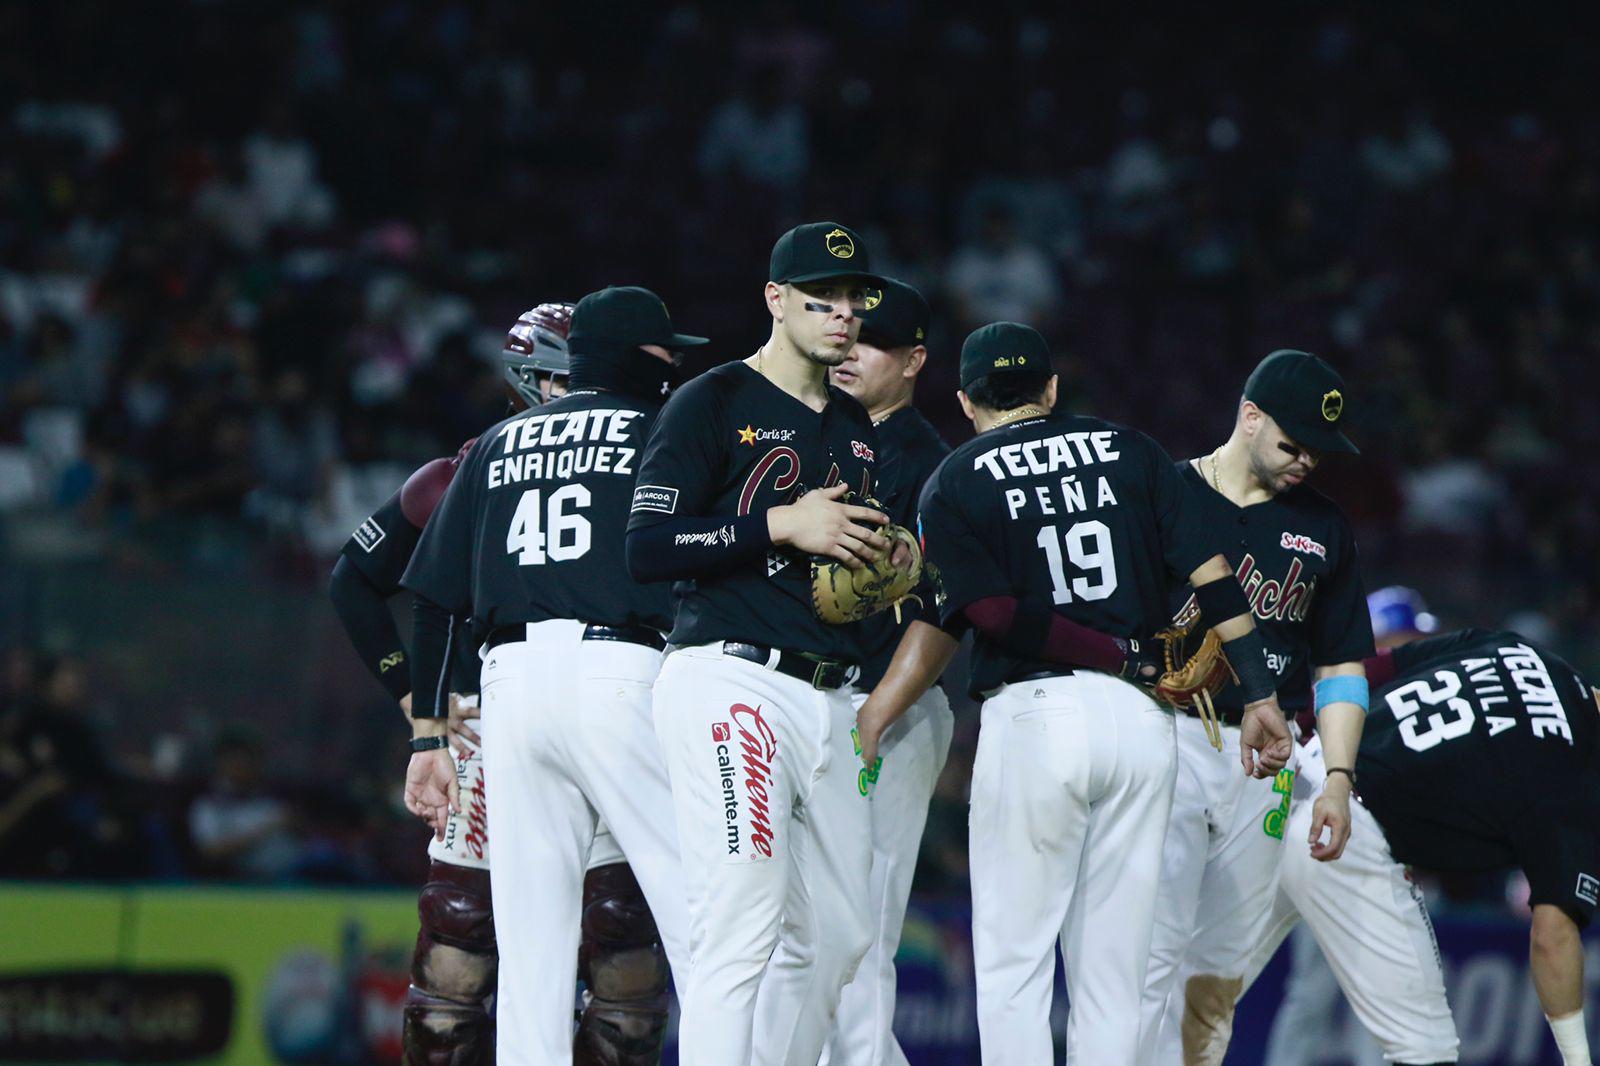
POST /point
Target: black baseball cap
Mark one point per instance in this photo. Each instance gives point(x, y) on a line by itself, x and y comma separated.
point(896, 316)
point(1004, 348)
point(1305, 396)
point(624, 316)
point(820, 251)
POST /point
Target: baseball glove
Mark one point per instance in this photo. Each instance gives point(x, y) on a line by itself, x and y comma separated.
point(1192, 680)
point(840, 594)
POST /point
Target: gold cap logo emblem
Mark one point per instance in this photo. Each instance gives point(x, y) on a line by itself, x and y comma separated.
point(840, 244)
point(1332, 405)
point(874, 298)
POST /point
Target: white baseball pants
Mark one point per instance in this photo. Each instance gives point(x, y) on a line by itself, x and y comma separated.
point(1070, 795)
point(1372, 925)
point(1219, 876)
point(466, 833)
point(568, 741)
point(914, 751)
point(775, 855)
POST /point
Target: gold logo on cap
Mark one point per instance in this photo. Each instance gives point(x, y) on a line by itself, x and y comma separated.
point(919, 333)
point(1332, 405)
point(840, 244)
point(874, 298)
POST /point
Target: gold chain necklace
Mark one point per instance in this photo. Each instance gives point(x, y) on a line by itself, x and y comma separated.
point(1028, 411)
point(1216, 482)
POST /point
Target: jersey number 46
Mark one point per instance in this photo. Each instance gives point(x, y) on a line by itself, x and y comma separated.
point(547, 531)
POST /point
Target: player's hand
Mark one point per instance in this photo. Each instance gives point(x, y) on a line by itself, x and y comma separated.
point(820, 523)
point(432, 793)
point(871, 721)
point(1331, 812)
point(463, 719)
point(1264, 744)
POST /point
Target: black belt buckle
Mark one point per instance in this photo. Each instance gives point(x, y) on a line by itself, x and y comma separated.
point(829, 674)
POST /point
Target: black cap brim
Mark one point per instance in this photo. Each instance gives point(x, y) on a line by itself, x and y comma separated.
point(683, 340)
point(1322, 438)
point(834, 275)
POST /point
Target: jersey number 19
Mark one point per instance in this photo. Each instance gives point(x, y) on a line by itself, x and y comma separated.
point(1089, 548)
point(549, 533)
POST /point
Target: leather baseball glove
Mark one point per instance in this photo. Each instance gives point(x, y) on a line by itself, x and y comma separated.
point(840, 594)
point(1192, 680)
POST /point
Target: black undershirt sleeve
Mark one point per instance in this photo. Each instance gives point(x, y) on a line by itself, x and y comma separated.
point(433, 636)
point(364, 612)
point(678, 549)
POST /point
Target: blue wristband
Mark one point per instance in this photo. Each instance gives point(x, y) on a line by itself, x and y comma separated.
point(1344, 689)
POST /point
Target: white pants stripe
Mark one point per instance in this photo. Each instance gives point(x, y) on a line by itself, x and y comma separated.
point(568, 741)
point(775, 854)
point(1070, 796)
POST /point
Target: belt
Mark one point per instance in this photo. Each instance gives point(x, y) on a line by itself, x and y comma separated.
point(622, 634)
point(1039, 675)
point(816, 672)
point(1227, 716)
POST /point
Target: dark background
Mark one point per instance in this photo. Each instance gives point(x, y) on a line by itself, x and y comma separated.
point(256, 260)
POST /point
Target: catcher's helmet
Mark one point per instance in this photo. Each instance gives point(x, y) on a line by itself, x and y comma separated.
point(537, 344)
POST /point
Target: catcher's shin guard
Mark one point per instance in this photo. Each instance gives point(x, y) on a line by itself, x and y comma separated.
point(453, 971)
point(621, 960)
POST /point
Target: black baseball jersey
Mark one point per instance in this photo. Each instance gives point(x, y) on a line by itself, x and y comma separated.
point(1295, 555)
point(732, 443)
point(1091, 511)
point(909, 450)
point(532, 526)
point(1481, 753)
point(381, 548)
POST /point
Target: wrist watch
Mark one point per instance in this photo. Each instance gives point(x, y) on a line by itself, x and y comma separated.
point(429, 743)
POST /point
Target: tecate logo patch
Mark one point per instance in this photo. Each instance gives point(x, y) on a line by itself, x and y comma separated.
point(1588, 890)
point(655, 498)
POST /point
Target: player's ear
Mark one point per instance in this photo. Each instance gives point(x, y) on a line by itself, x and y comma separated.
point(774, 294)
point(1249, 417)
point(966, 406)
point(1050, 392)
point(915, 360)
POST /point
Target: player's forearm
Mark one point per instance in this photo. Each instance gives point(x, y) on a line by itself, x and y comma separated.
point(1339, 721)
point(695, 546)
point(364, 613)
point(1028, 627)
point(1224, 609)
point(919, 659)
point(1555, 958)
point(433, 637)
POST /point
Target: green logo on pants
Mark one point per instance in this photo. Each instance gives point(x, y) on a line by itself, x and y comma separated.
point(1273, 823)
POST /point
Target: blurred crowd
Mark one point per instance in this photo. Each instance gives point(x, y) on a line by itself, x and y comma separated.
point(256, 261)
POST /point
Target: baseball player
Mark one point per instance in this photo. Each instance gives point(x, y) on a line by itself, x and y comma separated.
point(1481, 755)
point(453, 968)
point(1046, 531)
point(1295, 557)
point(742, 485)
point(881, 372)
point(1302, 1027)
point(528, 543)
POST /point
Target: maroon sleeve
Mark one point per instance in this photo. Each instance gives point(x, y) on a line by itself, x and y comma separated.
point(1035, 631)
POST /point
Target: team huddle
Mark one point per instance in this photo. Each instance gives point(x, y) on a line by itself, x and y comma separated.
point(693, 633)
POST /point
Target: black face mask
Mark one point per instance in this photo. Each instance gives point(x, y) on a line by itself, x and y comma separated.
point(633, 371)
